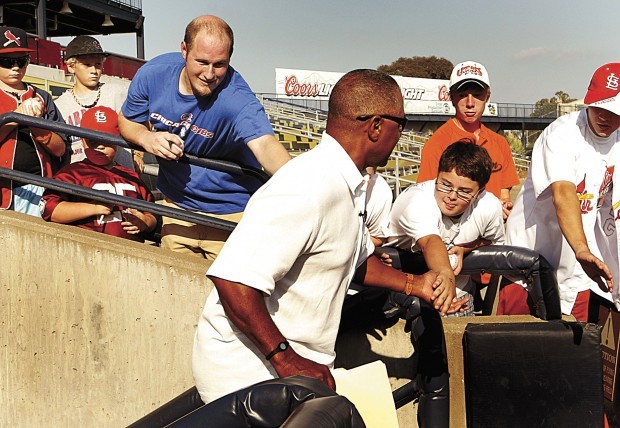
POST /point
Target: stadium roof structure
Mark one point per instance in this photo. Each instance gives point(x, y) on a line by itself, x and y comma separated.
point(59, 18)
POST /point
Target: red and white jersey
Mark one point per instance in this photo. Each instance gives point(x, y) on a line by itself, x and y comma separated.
point(117, 180)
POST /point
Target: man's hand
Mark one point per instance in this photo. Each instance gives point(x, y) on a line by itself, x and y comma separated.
point(432, 288)
point(506, 208)
point(596, 270)
point(138, 161)
point(163, 144)
point(444, 292)
point(289, 363)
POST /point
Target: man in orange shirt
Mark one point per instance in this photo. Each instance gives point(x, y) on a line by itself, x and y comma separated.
point(470, 91)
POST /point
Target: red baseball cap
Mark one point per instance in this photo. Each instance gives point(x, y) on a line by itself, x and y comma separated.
point(604, 88)
point(102, 119)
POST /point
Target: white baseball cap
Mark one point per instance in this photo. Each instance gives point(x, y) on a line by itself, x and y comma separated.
point(469, 71)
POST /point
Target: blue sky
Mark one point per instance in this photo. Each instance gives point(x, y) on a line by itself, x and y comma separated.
point(531, 48)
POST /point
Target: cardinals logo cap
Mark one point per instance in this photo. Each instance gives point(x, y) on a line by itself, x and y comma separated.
point(13, 39)
point(469, 71)
point(102, 119)
point(604, 88)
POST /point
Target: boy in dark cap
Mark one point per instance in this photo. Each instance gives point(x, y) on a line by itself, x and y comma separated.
point(84, 58)
point(24, 148)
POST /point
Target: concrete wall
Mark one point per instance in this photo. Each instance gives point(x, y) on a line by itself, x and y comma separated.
point(95, 330)
point(98, 331)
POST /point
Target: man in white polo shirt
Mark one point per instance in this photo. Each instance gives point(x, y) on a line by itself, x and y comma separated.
point(281, 278)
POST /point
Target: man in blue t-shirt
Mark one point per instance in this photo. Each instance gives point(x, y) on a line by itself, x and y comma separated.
point(195, 103)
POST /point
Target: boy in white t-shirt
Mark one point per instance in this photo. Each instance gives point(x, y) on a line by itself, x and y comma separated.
point(444, 219)
point(84, 58)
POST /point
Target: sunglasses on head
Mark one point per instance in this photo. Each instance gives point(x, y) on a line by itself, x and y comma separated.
point(9, 62)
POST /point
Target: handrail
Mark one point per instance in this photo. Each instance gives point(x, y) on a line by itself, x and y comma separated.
point(107, 197)
point(215, 164)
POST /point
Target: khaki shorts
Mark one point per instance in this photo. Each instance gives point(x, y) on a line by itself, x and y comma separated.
point(189, 238)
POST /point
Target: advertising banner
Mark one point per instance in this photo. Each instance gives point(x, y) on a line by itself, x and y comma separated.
point(422, 96)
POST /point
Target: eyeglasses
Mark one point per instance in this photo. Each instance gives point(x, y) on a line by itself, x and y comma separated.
point(461, 194)
point(8, 62)
point(402, 121)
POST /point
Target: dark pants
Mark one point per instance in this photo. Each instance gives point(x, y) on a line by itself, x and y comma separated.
point(432, 373)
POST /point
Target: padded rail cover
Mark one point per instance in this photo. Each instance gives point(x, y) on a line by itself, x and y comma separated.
point(546, 374)
point(516, 262)
point(277, 402)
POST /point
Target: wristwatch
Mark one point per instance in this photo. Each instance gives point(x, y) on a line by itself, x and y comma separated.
point(282, 346)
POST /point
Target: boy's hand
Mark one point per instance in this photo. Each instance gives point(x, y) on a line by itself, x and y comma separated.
point(134, 221)
point(31, 107)
point(458, 252)
point(458, 305)
point(102, 209)
point(384, 257)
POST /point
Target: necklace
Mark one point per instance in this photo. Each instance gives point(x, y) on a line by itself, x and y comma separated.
point(93, 104)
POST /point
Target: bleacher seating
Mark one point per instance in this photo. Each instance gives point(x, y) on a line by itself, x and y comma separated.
point(299, 129)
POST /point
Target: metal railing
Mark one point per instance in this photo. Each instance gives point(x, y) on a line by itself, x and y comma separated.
point(107, 197)
point(133, 4)
point(405, 157)
point(508, 110)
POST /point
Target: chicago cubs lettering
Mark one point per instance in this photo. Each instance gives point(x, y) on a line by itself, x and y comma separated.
point(181, 127)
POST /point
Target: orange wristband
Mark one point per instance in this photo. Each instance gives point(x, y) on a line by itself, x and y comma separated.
point(409, 285)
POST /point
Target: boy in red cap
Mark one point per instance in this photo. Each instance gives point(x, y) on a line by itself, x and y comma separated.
point(99, 171)
point(565, 207)
point(24, 148)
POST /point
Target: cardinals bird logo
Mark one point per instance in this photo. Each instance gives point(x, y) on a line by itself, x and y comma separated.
point(10, 38)
point(585, 198)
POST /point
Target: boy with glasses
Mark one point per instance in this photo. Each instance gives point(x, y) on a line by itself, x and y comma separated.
point(24, 148)
point(446, 218)
point(470, 90)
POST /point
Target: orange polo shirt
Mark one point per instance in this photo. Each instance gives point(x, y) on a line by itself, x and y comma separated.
point(504, 171)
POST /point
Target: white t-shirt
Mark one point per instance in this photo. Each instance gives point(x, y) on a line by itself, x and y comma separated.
point(415, 214)
point(378, 205)
point(300, 240)
point(567, 150)
point(111, 96)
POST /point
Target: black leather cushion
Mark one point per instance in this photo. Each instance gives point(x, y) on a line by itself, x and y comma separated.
point(542, 374)
point(271, 403)
point(516, 262)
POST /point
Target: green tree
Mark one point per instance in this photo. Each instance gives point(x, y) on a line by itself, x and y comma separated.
point(549, 106)
point(429, 67)
point(514, 140)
